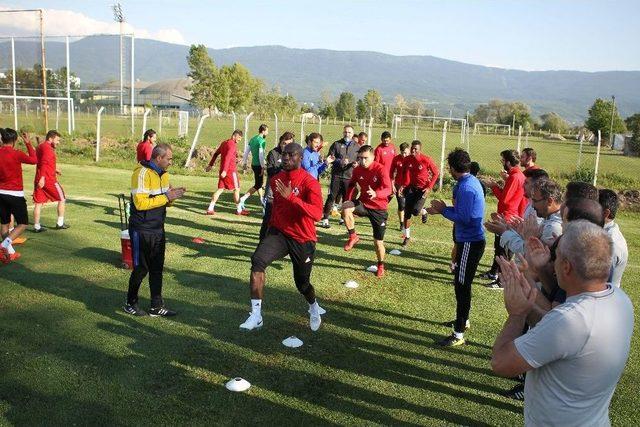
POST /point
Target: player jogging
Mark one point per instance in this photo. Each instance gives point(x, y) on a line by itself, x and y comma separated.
point(46, 186)
point(228, 177)
point(385, 152)
point(375, 189)
point(297, 205)
point(397, 177)
point(257, 148)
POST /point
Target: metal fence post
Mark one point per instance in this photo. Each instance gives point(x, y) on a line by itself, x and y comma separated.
point(246, 130)
point(195, 138)
point(444, 142)
point(98, 136)
point(144, 121)
point(595, 170)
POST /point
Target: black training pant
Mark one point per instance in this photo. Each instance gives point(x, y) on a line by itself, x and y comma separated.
point(265, 219)
point(498, 251)
point(337, 188)
point(276, 245)
point(148, 257)
point(468, 255)
point(414, 202)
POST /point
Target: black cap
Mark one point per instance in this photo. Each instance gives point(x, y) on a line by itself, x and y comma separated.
point(292, 148)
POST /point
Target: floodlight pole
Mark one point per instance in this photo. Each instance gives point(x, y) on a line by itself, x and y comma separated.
point(13, 72)
point(132, 82)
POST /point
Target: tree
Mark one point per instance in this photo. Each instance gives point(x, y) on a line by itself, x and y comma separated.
point(497, 111)
point(361, 109)
point(415, 107)
point(400, 104)
point(328, 111)
point(242, 86)
point(554, 123)
point(373, 102)
point(346, 106)
point(632, 121)
point(205, 77)
point(599, 118)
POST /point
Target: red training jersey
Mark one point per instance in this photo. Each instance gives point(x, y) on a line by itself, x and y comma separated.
point(420, 171)
point(384, 154)
point(228, 153)
point(143, 151)
point(46, 163)
point(375, 177)
point(297, 215)
point(397, 171)
point(11, 168)
point(510, 196)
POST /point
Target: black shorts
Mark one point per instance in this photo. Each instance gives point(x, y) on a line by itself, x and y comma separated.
point(401, 201)
point(13, 205)
point(414, 202)
point(258, 178)
point(275, 245)
point(378, 218)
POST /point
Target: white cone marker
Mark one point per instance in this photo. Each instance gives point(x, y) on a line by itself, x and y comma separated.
point(372, 269)
point(394, 252)
point(292, 342)
point(351, 284)
point(238, 384)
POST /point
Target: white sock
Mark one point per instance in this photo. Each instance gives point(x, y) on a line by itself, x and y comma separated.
point(239, 207)
point(60, 221)
point(6, 243)
point(458, 335)
point(36, 226)
point(314, 308)
point(407, 232)
point(403, 230)
point(244, 199)
point(212, 206)
point(423, 211)
point(256, 306)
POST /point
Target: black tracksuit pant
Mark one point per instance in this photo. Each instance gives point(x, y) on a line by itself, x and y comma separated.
point(468, 255)
point(337, 187)
point(148, 258)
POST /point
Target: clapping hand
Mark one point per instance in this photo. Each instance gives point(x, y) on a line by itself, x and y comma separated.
point(519, 296)
point(284, 190)
point(175, 193)
point(437, 206)
point(538, 254)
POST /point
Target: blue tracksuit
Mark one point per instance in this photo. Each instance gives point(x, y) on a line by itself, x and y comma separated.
point(467, 212)
point(311, 162)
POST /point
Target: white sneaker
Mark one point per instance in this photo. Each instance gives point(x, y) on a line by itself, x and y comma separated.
point(321, 311)
point(253, 322)
point(314, 321)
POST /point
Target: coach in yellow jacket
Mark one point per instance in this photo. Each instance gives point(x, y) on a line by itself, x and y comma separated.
point(151, 193)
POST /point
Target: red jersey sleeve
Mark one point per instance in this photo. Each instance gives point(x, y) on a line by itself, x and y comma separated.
point(31, 158)
point(229, 157)
point(511, 194)
point(377, 155)
point(46, 161)
point(435, 172)
point(385, 189)
point(215, 156)
point(311, 203)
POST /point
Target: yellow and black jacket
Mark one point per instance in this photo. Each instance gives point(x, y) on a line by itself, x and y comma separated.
point(148, 200)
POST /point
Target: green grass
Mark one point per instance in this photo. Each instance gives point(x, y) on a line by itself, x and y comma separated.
point(70, 356)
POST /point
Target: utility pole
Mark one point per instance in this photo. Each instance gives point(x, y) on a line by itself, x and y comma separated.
point(118, 16)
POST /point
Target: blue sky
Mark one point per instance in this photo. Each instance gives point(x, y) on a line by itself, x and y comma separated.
point(525, 34)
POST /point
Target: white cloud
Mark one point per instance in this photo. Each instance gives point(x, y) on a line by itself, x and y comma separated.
point(67, 22)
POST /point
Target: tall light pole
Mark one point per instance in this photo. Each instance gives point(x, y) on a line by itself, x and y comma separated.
point(118, 16)
point(613, 109)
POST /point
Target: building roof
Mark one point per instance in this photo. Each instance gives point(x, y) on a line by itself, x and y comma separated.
point(176, 87)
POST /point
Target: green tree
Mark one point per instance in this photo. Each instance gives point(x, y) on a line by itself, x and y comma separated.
point(554, 123)
point(242, 86)
point(361, 109)
point(206, 88)
point(400, 104)
point(373, 102)
point(329, 111)
point(599, 118)
point(632, 121)
point(346, 106)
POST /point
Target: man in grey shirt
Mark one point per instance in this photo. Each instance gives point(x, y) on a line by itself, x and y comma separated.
point(578, 351)
point(609, 201)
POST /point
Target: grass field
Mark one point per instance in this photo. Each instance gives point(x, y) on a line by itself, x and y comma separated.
point(70, 356)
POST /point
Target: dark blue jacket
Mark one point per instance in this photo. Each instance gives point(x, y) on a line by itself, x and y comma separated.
point(467, 212)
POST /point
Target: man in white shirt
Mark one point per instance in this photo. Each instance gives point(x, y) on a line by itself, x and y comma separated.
point(609, 201)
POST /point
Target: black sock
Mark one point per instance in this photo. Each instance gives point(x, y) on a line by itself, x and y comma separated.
point(352, 231)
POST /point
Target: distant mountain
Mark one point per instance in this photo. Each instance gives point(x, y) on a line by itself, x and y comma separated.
point(305, 73)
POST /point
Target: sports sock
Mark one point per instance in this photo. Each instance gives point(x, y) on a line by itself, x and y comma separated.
point(352, 231)
point(314, 308)
point(244, 199)
point(407, 232)
point(239, 207)
point(256, 306)
point(212, 206)
point(60, 222)
point(37, 226)
point(6, 243)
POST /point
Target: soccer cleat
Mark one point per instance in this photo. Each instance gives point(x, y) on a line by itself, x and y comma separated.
point(314, 321)
point(341, 222)
point(62, 227)
point(243, 212)
point(134, 310)
point(7, 258)
point(19, 240)
point(495, 286)
point(405, 242)
point(380, 271)
point(161, 312)
point(451, 341)
point(489, 276)
point(321, 311)
point(516, 393)
point(210, 212)
point(254, 321)
point(40, 230)
point(198, 240)
point(424, 217)
point(325, 224)
point(353, 239)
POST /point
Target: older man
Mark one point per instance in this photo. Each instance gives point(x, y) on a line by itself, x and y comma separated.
point(578, 351)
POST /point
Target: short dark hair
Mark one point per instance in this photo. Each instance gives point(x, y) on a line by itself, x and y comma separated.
point(148, 134)
point(347, 126)
point(312, 136)
point(530, 152)
point(160, 150)
point(548, 189)
point(237, 132)
point(416, 142)
point(386, 134)
point(52, 134)
point(285, 136)
point(608, 199)
point(578, 189)
point(459, 160)
point(474, 168)
point(365, 149)
point(262, 128)
point(582, 208)
point(535, 174)
point(361, 134)
point(511, 156)
point(9, 136)
point(404, 146)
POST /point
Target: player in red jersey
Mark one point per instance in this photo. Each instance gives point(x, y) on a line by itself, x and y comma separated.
point(46, 185)
point(385, 152)
point(12, 201)
point(145, 147)
point(397, 177)
point(228, 178)
point(297, 206)
point(421, 174)
point(375, 189)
